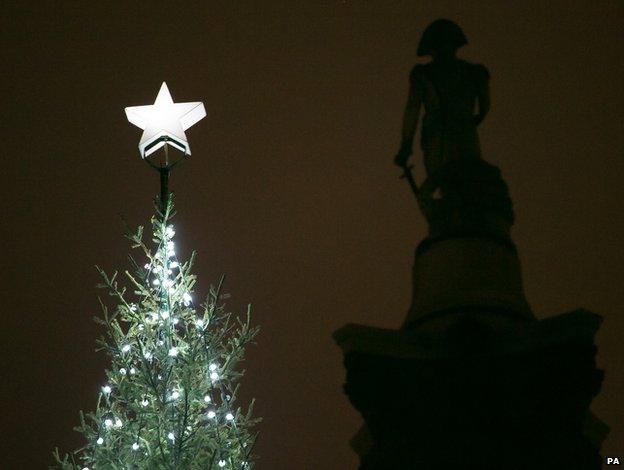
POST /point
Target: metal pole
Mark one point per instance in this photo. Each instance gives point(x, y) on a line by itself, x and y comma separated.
point(164, 187)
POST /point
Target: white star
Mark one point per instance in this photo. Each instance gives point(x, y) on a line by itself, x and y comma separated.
point(165, 121)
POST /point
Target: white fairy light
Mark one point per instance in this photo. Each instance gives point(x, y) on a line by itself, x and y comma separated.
point(106, 389)
point(213, 367)
point(200, 323)
point(214, 376)
point(147, 266)
point(222, 463)
point(123, 371)
point(147, 355)
point(108, 422)
point(100, 441)
point(170, 232)
point(144, 402)
point(229, 417)
point(175, 321)
point(186, 299)
point(170, 246)
point(211, 414)
point(156, 282)
point(175, 395)
point(133, 308)
point(125, 348)
point(173, 352)
point(132, 370)
point(118, 423)
point(207, 399)
point(174, 264)
point(164, 314)
point(171, 436)
point(141, 327)
point(135, 446)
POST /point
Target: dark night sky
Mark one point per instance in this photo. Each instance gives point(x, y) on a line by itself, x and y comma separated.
point(291, 189)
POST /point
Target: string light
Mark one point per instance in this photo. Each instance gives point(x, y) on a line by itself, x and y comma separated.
point(147, 355)
point(106, 389)
point(144, 402)
point(207, 399)
point(135, 446)
point(118, 423)
point(213, 367)
point(214, 376)
point(187, 299)
point(108, 422)
point(173, 352)
point(200, 323)
point(171, 436)
point(122, 371)
point(175, 395)
point(229, 417)
point(221, 463)
point(100, 441)
point(132, 370)
point(211, 414)
point(126, 348)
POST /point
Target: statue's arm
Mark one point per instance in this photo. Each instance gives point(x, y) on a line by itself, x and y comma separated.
point(410, 119)
point(483, 94)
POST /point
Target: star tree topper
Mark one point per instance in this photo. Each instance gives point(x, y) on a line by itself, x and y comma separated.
point(165, 122)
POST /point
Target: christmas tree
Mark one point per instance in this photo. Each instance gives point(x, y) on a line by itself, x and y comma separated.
point(169, 401)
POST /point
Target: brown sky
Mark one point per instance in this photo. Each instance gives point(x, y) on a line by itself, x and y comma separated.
point(291, 189)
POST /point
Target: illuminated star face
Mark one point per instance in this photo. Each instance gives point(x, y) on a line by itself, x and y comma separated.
point(165, 121)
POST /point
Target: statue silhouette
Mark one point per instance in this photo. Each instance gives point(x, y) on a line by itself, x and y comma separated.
point(450, 90)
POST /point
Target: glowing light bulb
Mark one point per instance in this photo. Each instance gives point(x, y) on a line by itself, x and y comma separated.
point(164, 314)
point(126, 348)
point(222, 463)
point(108, 422)
point(156, 282)
point(144, 402)
point(123, 371)
point(132, 370)
point(118, 423)
point(200, 323)
point(147, 266)
point(141, 327)
point(213, 367)
point(100, 441)
point(175, 395)
point(135, 446)
point(171, 436)
point(174, 264)
point(106, 389)
point(229, 417)
point(214, 376)
point(211, 414)
point(175, 321)
point(186, 299)
point(207, 399)
point(173, 352)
